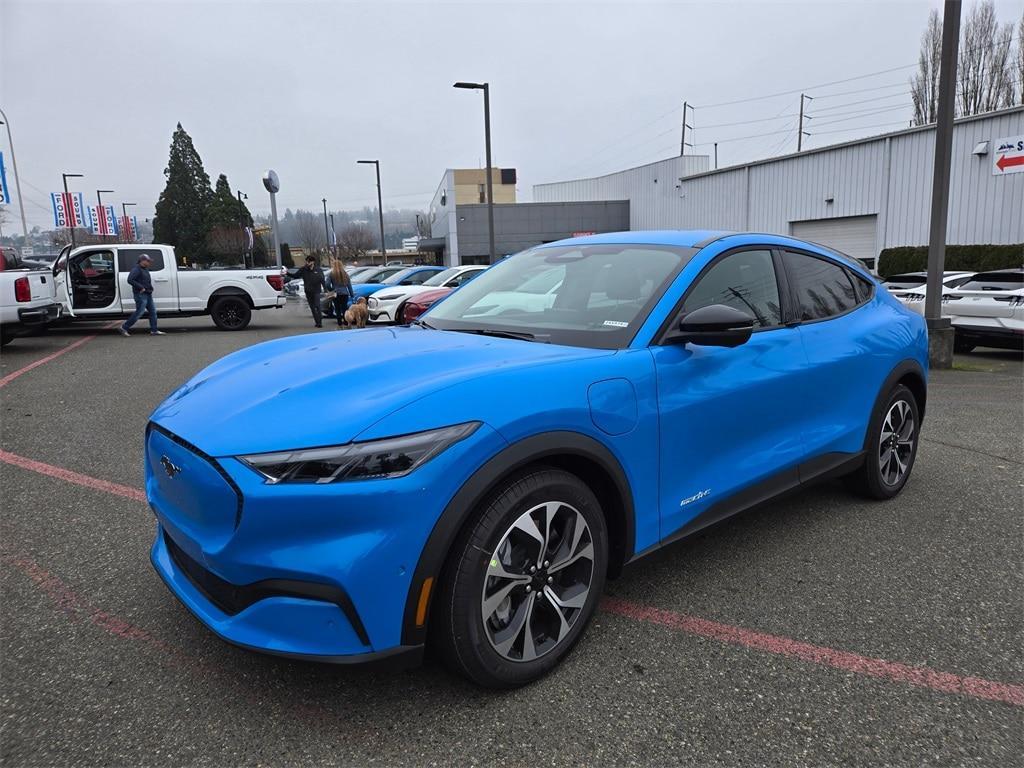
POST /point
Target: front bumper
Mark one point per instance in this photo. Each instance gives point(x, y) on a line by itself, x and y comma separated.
point(318, 572)
point(43, 315)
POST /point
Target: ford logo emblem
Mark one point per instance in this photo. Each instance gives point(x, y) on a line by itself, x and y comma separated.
point(170, 467)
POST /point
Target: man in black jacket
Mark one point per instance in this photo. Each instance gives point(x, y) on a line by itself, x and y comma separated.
point(313, 284)
point(142, 291)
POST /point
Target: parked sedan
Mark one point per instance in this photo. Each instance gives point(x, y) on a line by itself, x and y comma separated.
point(386, 306)
point(421, 302)
point(988, 311)
point(401, 278)
point(471, 480)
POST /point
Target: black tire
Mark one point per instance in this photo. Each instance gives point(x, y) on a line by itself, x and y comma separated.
point(465, 637)
point(231, 313)
point(5, 339)
point(962, 345)
point(888, 461)
point(398, 314)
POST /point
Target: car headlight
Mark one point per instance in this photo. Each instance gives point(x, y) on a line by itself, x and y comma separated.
point(389, 457)
point(391, 297)
point(371, 302)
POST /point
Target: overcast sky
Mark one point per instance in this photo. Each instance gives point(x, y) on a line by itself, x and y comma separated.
point(577, 89)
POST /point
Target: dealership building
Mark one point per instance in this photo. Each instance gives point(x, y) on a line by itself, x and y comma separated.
point(858, 197)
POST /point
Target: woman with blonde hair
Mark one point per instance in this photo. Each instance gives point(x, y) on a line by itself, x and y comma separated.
point(339, 282)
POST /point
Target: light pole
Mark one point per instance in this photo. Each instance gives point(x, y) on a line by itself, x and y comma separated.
point(380, 209)
point(327, 231)
point(127, 222)
point(334, 250)
point(241, 223)
point(486, 88)
point(17, 179)
point(68, 204)
point(99, 206)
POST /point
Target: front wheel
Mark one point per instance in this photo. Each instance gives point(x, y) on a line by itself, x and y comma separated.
point(231, 313)
point(525, 581)
point(891, 447)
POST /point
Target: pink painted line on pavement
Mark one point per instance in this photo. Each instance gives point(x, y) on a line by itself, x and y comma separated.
point(72, 477)
point(43, 360)
point(922, 677)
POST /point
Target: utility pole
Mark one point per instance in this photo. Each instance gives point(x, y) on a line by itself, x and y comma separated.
point(327, 232)
point(380, 208)
point(682, 141)
point(334, 248)
point(800, 133)
point(940, 330)
point(17, 179)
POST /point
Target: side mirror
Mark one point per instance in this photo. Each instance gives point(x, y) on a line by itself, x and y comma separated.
point(714, 326)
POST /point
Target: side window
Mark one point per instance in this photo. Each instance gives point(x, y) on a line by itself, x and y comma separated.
point(822, 288)
point(420, 277)
point(95, 265)
point(864, 287)
point(465, 277)
point(744, 280)
point(128, 258)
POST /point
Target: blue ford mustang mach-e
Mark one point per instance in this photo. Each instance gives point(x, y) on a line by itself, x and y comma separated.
point(472, 479)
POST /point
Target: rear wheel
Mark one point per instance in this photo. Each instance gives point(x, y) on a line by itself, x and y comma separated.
point(231, 313)
point(525, 580)
point(891, 447)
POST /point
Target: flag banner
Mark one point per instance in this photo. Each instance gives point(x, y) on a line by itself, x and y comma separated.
point(334, 238)
point(68, 209)
point(135, 228)
point(130, 228)
point(103, 221)
point(5, 196)
point(248, 238)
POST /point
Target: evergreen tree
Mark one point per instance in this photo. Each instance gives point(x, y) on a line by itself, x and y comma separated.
point(181, 210)
point(226, 218)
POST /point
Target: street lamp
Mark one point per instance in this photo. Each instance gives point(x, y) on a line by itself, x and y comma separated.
point(99, 206)
point(17, 179)
point(69, 204)
point(486, 88)
point(380, 209)
point(127, 223)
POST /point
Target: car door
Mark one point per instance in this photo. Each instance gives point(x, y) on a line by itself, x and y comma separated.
point(843, 375)
point(730, 417)
point(165, 287)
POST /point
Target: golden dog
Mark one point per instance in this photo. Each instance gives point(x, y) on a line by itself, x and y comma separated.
point(357, 315)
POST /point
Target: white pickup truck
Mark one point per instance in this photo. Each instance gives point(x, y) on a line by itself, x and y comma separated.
point(26, 297)
point(92, 283)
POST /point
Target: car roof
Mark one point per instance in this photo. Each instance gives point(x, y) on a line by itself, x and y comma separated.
point(686, 238)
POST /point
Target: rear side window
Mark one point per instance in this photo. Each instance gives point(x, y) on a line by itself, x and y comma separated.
point(821, 288)
point(995, 281)
point(744, 281)
point(128, 258)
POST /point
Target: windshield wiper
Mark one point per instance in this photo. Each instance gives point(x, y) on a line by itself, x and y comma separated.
point(523, 335)
point(424, 324)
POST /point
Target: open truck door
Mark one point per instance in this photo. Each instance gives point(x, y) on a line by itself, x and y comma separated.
point(61, 283)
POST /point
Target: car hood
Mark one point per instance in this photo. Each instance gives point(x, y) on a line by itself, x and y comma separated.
point(325, 389)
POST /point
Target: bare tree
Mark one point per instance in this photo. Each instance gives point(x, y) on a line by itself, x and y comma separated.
point(985, 78)
point(354, 241)
point(310, 230)
point(924, 86)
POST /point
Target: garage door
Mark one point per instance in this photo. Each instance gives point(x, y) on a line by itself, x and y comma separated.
point(853, 235)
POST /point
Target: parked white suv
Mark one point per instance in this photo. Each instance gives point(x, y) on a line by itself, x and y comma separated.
point(911, 287)
point(98, 286)
point(988, 310)
point(386, 304)
point(26, 297)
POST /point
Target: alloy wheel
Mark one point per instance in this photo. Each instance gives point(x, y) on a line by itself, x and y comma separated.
point(896, 443)
point(537, 582)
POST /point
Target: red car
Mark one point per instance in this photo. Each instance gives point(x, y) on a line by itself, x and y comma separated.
point(421, 302)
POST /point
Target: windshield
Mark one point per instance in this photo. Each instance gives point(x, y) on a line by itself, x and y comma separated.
point(442, 277)
point(395, 278)
point(371, 275)
point(585, 295)
point(995, 281)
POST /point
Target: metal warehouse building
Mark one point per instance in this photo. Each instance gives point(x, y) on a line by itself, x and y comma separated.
point(858, 197)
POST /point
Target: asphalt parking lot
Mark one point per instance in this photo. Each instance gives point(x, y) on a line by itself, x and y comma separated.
point(818, 630)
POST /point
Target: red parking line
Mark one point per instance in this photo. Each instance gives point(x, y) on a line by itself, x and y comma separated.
point(72, 477)
point(43, 360)
point(922, 677)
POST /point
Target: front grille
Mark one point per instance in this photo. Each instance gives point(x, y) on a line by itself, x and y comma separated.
point(209, 460)
point(233, 599)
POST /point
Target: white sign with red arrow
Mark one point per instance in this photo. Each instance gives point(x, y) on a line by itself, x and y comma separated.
point(1009, 156)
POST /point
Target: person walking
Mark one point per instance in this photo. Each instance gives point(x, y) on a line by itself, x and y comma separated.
point(313, 284)
point(339, 282)
point(142, 291)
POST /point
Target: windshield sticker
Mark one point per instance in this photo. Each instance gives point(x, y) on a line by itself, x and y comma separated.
point(616, 324)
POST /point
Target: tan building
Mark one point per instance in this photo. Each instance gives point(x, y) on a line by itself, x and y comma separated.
point(469, 185)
